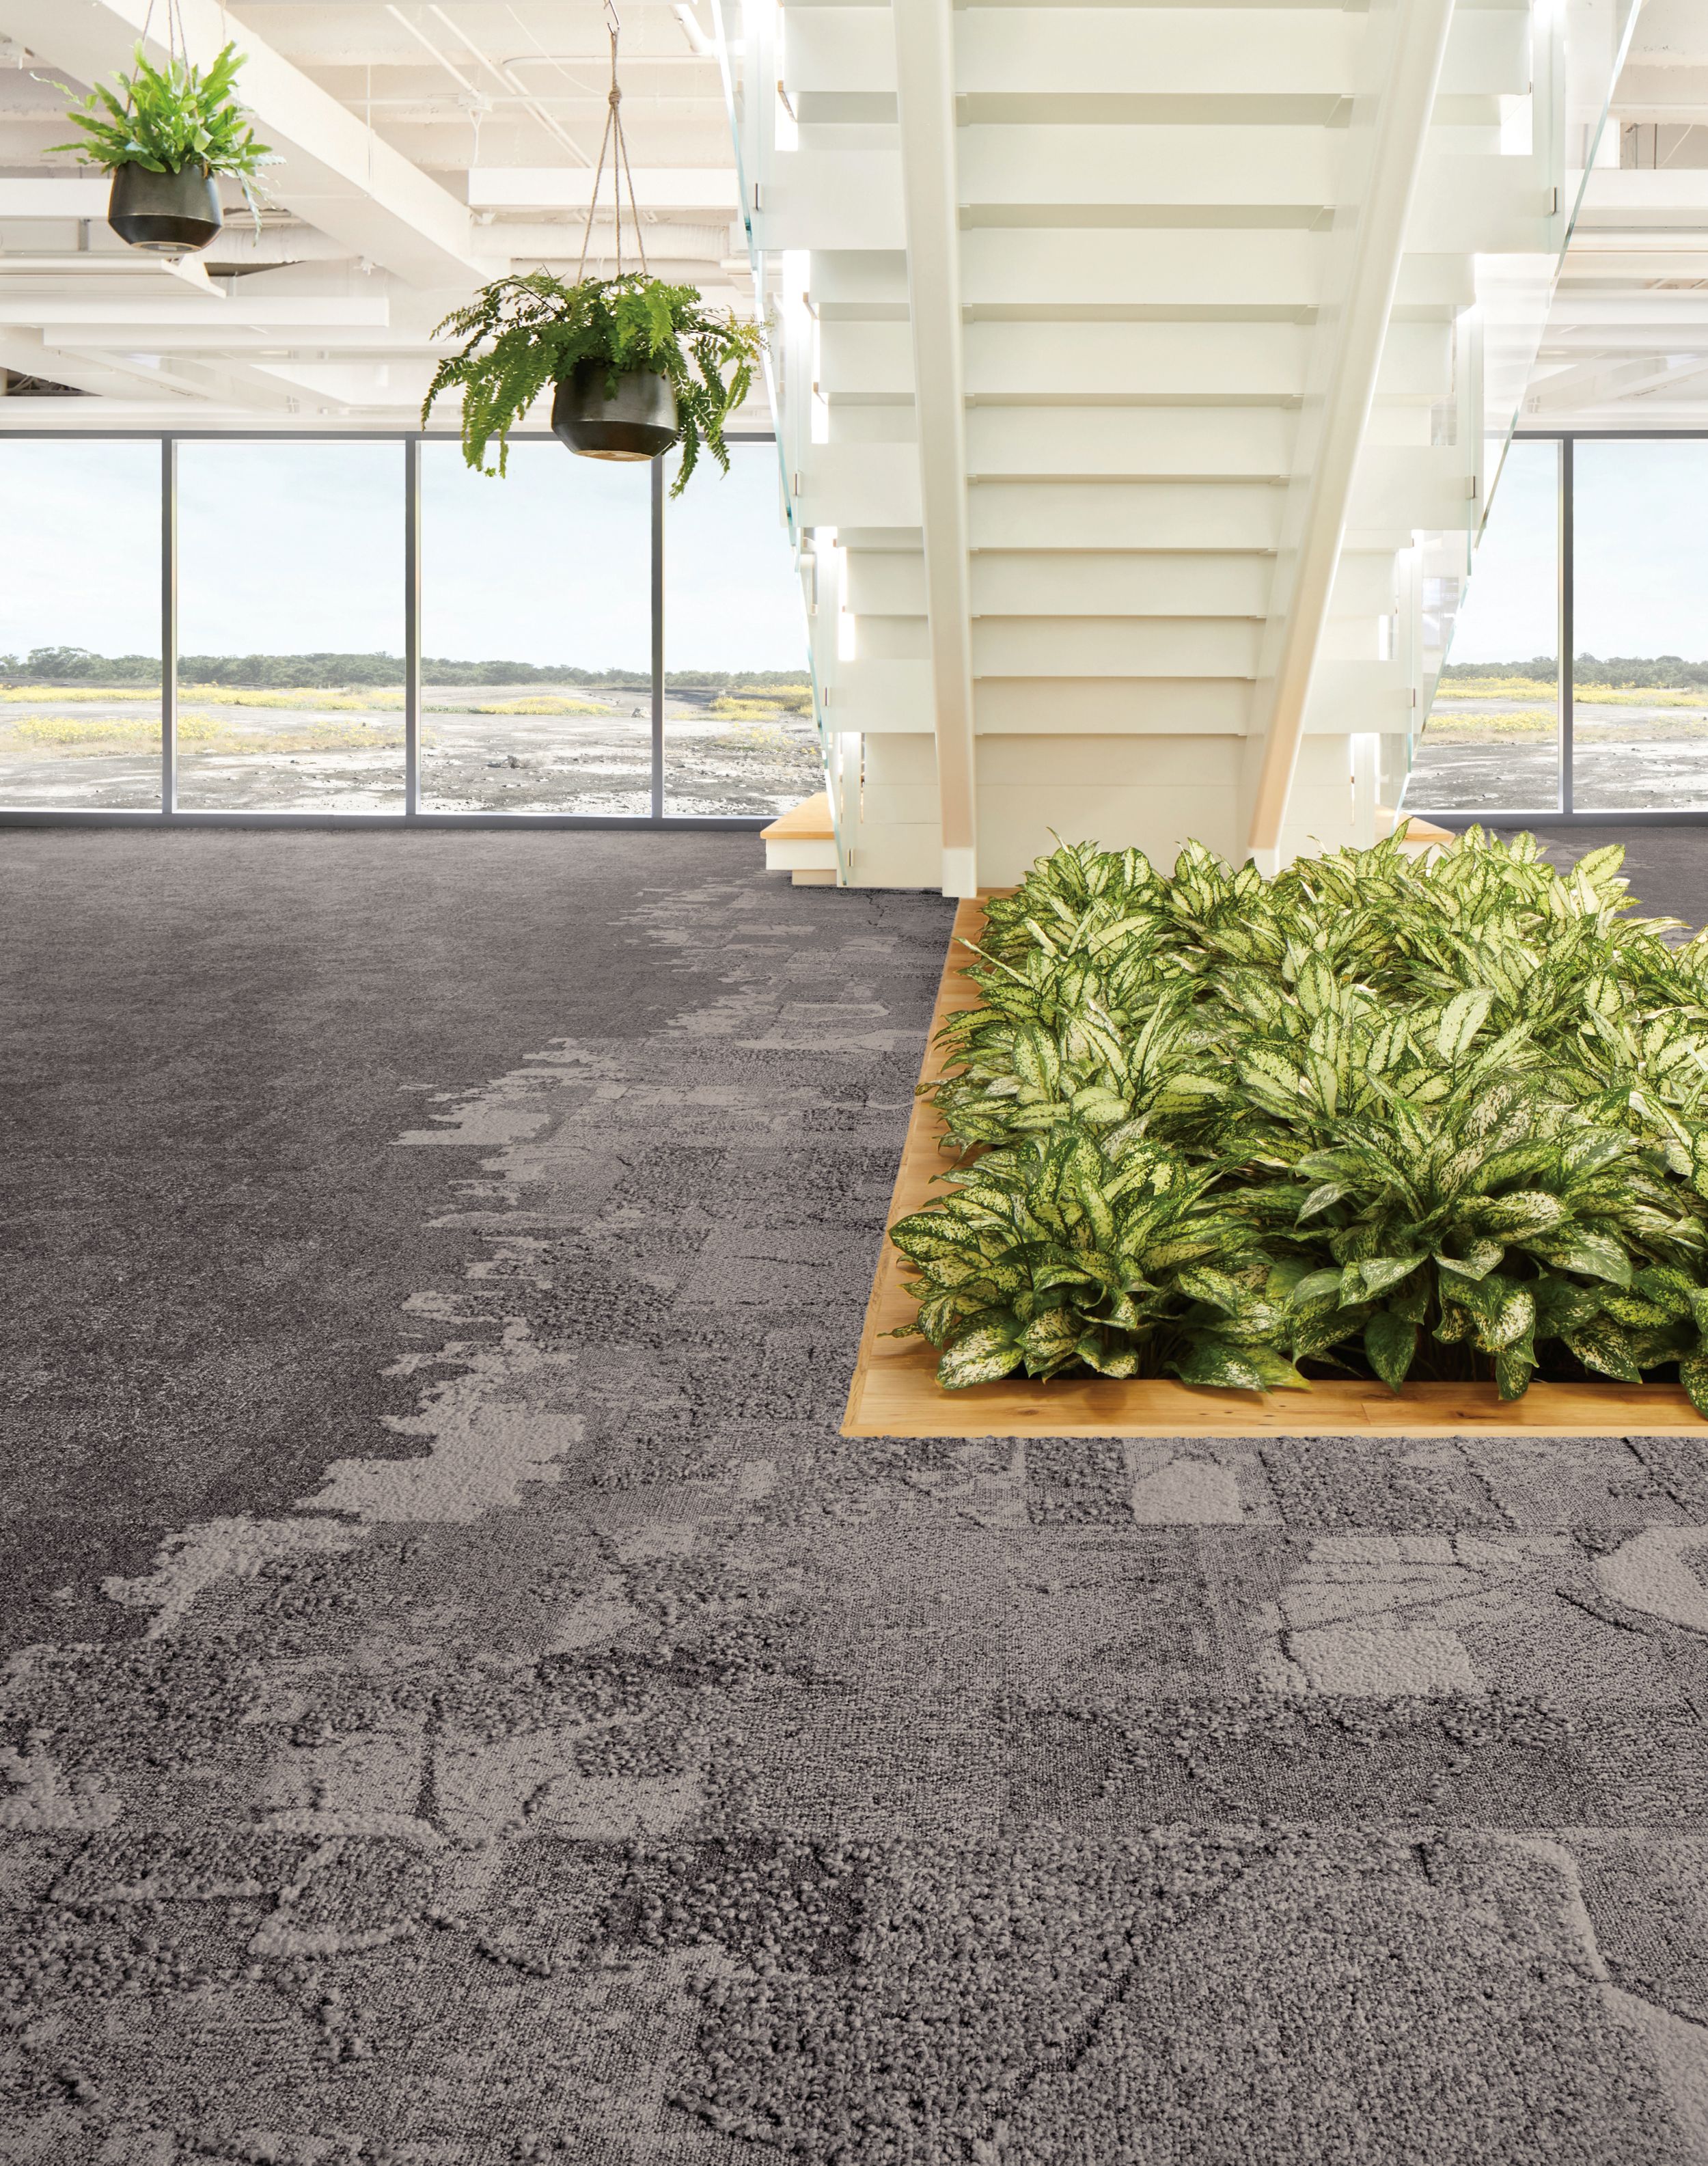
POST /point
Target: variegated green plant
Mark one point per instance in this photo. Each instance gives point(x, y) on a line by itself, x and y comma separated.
point(1076, 1250)
point(1439, 1120)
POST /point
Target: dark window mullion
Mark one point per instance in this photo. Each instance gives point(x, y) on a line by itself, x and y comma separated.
point(1568, 610)
point(412, 626)
point(657, 473)
point(169, 625)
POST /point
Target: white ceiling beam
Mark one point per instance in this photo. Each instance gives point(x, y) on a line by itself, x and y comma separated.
point(264, 314)
point(335, 172)
point(1655, 196)
point(241, 339)
point(25, 415)
point(1622, 270)
point(95, 272)
point(564, 187)
point(924, 70)
point(55, 199)
point(1390, 131)
point(1644, 312)
point(23, 351)
point(221, 377)
point(1603, 381)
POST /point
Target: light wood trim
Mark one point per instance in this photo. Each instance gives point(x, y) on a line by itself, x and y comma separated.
point(808, 822)
point(895, 1391)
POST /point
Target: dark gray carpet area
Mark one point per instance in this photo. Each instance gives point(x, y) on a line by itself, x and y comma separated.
point(212, 1040)
point(467, 1704)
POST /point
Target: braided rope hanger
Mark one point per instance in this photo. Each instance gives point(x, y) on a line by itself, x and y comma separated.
point(178, 41)
point(613, 138)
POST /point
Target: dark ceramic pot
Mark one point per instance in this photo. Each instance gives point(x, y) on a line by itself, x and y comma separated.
point(164, 214)
point(640, 423)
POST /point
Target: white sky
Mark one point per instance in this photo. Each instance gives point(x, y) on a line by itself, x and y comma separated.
point(1641, 539)
point(1511, 613)
point(287, 547)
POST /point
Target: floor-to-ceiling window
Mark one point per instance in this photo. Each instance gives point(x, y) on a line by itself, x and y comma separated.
point(365, 627)
point(1596, 547)
point(537, 633)
point(1492, 742)
point(1640, 624)
point(290, 694)
point(80, 624)
point(738, 734)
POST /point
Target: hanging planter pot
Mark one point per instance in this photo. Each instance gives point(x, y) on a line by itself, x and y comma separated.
point(679, 370)
point(164, 141)
point(165, 214)
point(640, 421)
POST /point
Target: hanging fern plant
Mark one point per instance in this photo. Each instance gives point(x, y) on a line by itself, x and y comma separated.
point(639, 365)
point(523, 333)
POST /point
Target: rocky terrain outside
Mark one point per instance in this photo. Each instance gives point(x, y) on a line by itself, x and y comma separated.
point(484, 748)
point(1491, 745)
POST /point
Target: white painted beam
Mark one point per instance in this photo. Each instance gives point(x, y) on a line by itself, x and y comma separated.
point(23, 351)
point(1597, 383)
point(571, 187)
point(925, 61)
point(305, 313)
point(242, 339)
point(1670, 195)
point(219, 378)
point(336, 172)
point(80, 197)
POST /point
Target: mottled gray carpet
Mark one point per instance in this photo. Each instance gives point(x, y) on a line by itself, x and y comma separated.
point(469, 1705)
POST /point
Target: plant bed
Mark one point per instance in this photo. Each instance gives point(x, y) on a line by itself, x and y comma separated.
point(897, 1390)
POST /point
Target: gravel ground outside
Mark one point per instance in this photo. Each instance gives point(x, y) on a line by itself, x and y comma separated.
point(1492, 755)
point(322, 757)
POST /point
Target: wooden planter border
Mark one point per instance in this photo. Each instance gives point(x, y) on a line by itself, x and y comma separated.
point(895, 1391)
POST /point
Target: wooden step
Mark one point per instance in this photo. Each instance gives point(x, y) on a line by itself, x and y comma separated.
point(802, 843)
point(808, 822)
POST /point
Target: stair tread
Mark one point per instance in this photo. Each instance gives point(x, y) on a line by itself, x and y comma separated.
point(808, 822)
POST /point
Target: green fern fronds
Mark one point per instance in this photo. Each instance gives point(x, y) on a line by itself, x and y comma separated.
point(521, 334)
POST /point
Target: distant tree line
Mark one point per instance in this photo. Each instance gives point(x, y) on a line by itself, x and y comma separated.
point(1666, 672)
point(76, 665)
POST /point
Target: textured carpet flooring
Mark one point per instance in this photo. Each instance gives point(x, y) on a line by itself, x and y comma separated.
point(469, 1705)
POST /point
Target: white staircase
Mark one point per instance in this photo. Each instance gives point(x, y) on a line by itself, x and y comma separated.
point(1137, 373)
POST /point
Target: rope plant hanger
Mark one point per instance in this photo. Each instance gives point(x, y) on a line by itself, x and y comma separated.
point(636, 366)
point(614, 140)
point(635, 416)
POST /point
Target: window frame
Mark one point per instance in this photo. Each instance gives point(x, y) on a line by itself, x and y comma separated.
point(1564, 812)
point(169, 813)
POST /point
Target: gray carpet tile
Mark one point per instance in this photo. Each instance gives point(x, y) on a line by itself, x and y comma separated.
point(469, 1705)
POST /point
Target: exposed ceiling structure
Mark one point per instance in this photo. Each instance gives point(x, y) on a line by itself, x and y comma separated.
point(423, 147)
point(428, 144)
point(1628, 339)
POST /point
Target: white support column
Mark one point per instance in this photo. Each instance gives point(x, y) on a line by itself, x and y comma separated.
point(1343, 386)
point(924, 59)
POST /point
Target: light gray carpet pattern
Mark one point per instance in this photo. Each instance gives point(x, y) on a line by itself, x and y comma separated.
point(612, 1765)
